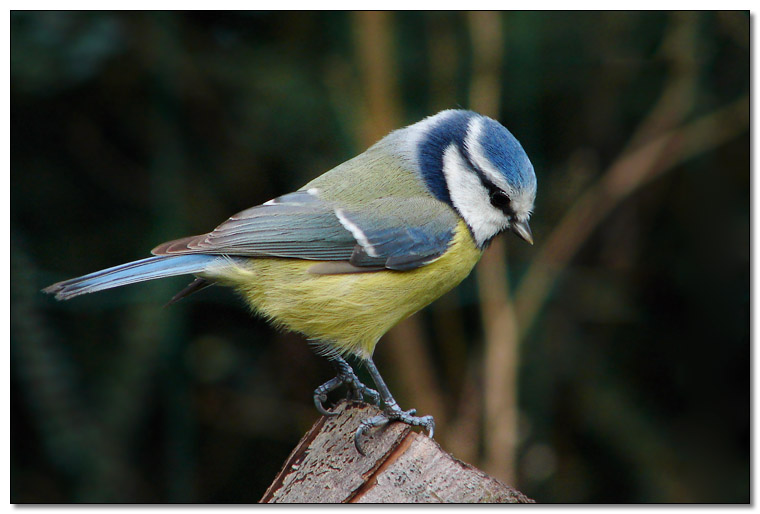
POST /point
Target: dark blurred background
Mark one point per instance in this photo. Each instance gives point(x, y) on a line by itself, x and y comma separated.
point(608, 363)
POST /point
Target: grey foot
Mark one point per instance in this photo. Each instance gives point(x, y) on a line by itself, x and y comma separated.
point(393, 414)
point(391, 411)
point(346, 376)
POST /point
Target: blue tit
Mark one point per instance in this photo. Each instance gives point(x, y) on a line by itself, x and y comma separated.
point(361, 247)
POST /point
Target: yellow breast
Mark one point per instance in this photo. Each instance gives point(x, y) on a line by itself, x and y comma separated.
point(347, 312)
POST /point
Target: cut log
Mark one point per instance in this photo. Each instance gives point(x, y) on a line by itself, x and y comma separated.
point(401, 466)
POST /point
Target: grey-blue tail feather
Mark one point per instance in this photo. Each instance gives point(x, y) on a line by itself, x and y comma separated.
point(160, 266)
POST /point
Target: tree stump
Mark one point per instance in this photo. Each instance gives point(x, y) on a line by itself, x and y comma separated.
point(401, 466)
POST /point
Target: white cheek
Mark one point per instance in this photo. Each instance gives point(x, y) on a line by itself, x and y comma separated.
point(470, 197)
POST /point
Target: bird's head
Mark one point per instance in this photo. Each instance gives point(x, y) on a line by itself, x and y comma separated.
point(478, 167)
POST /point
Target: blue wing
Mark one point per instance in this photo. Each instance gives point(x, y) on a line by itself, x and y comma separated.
point(397, 234)
point(400, 234)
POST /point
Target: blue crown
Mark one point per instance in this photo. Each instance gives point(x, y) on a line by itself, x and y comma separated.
point(501, 148)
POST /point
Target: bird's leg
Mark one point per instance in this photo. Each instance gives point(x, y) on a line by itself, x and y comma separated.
point(391, 411)
point(346, 376)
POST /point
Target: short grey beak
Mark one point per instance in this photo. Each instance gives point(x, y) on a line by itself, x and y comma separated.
point(522, 229)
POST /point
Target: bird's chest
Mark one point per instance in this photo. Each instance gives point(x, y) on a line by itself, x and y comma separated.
point(351, 311)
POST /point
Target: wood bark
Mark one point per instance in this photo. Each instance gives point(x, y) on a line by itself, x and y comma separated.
point(401, 466)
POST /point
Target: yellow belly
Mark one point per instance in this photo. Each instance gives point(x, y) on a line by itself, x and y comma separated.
point(347, 312)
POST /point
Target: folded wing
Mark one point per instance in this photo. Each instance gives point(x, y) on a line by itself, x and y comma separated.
point(397, 234)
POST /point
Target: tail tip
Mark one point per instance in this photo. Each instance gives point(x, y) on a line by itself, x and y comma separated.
point(57, 289)
point(51, 289)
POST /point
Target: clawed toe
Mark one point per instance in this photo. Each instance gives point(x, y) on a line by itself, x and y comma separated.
point(319, 401)
point(346, 376)
point(320, 395)
point(361, 392)
point(408, 417)
point(364, 426)
point(358, 391)
point(372, 396)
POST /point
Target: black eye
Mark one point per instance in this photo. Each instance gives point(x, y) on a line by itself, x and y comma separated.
point(500, 201)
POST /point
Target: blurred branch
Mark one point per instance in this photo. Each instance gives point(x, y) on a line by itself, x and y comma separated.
point(463, 437)
point(654, 148)
point(679, 47)
point(499, 323)
point(629, 173)
point(374, 48)
point(444, 60)
point(486, 35)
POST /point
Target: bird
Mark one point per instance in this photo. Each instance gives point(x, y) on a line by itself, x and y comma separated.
point(361, 247)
